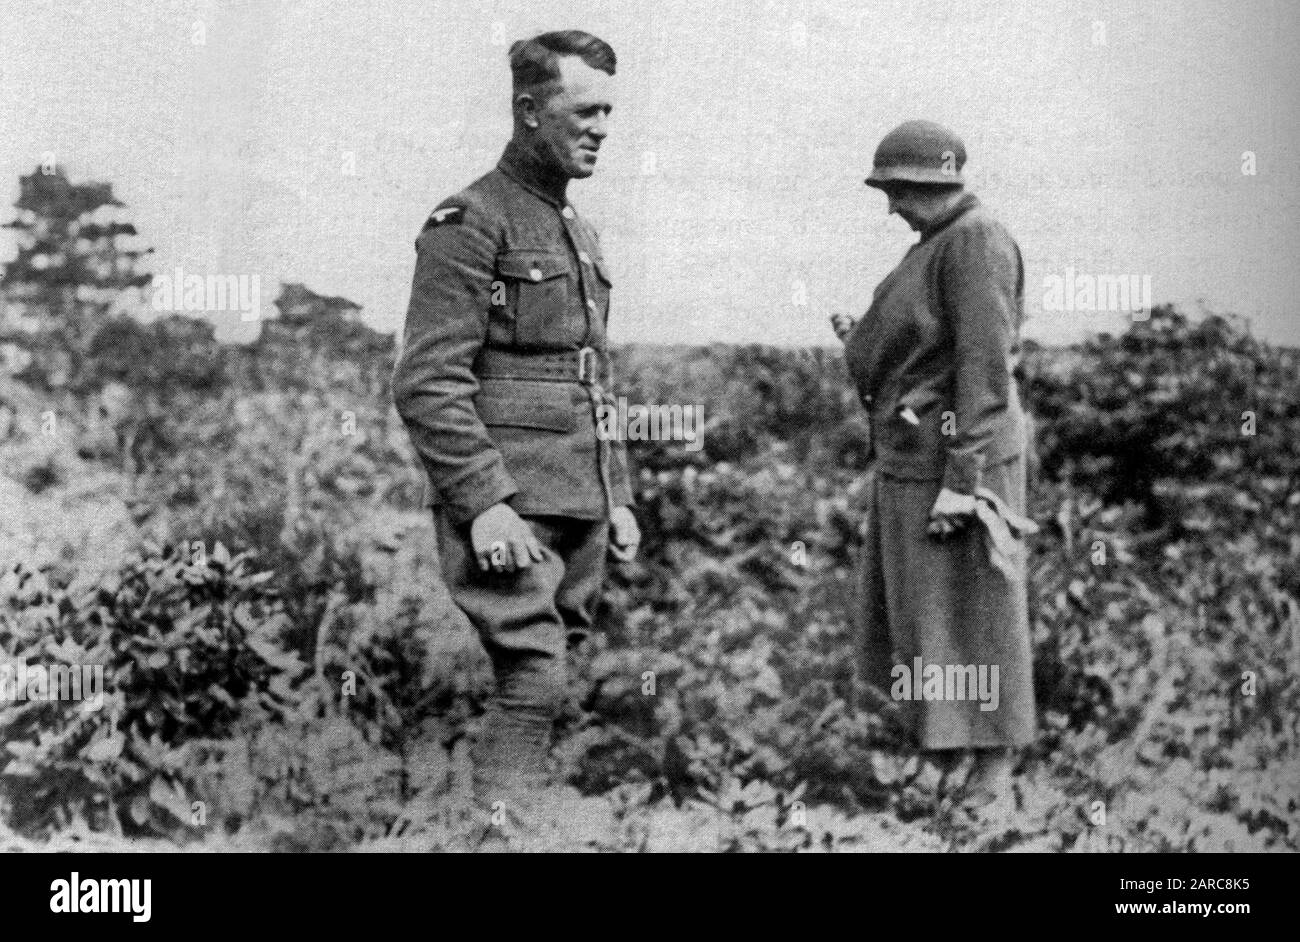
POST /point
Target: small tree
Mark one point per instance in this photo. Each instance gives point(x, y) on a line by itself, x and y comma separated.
point(70, 272)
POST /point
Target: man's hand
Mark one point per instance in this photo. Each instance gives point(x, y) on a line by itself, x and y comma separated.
point(625, 535)
point(951, 512)
point(842, 324)
point(502, 541)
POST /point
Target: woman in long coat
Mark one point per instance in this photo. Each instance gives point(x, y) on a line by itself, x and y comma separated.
point(944, 610)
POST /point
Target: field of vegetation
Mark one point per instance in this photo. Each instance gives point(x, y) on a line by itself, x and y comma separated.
point(234, 533)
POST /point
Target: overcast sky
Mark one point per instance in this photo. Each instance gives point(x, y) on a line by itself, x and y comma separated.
point(1109, 137)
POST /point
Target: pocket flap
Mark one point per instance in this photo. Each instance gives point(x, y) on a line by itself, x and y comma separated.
point(527, 265)
point(920, 399)
point(525, 404)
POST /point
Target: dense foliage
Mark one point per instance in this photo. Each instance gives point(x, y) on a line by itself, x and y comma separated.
point(313, 688)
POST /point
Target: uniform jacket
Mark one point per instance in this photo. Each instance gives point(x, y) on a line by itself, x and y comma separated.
point(942, 336)
point(508, 265)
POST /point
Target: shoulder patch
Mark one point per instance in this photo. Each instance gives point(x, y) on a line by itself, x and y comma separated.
point(445, 216)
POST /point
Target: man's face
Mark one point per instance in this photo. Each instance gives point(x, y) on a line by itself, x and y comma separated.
point(572, 124)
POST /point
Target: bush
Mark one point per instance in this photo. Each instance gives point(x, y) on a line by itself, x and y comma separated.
point(190, 651)
point(1164, 615)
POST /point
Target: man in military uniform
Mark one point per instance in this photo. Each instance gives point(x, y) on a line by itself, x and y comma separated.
point(502, 370)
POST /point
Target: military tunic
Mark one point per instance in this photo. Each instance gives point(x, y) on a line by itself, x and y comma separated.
point(508, 272)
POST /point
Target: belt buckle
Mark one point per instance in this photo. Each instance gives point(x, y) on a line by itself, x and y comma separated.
point(587, 365)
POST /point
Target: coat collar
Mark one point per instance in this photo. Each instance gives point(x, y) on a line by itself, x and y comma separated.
point(522, 166)
point(967, 202)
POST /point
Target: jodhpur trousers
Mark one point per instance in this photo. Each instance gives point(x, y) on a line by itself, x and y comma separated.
point(526, 620)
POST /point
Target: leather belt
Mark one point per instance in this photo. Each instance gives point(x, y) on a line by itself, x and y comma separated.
point(585, 366)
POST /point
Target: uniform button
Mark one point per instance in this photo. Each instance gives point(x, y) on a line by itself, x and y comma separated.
point(584, 258)
point(535, 274)
point(567, 212)
point(591, 304)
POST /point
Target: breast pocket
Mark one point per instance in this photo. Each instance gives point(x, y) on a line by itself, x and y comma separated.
point(538, 286)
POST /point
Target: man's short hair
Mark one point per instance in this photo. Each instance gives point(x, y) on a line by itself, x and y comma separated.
point(534, 63)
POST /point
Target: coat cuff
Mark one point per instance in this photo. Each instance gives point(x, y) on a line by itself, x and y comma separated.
point(963, 473)
point(475, 493)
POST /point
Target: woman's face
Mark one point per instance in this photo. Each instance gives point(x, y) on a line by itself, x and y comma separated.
point(918, 206)
point(908, 204)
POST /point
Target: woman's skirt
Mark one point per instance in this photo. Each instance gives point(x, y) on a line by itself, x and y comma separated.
point(945, 631)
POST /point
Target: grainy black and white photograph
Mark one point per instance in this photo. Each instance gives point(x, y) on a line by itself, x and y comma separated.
point(754, 426)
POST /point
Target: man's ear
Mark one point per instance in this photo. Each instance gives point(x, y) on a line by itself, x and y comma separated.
point(526, 109)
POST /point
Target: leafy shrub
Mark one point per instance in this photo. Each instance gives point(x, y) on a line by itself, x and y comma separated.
point(726, 677)
point(1142, 647)
point(190, 650)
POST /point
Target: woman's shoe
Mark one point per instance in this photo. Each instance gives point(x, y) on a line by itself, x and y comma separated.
point(957, 774)
point(989, 791)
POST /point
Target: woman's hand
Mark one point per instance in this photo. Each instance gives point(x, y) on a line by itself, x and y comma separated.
point(842, 324)
point(625, 535)
point(950, 513)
